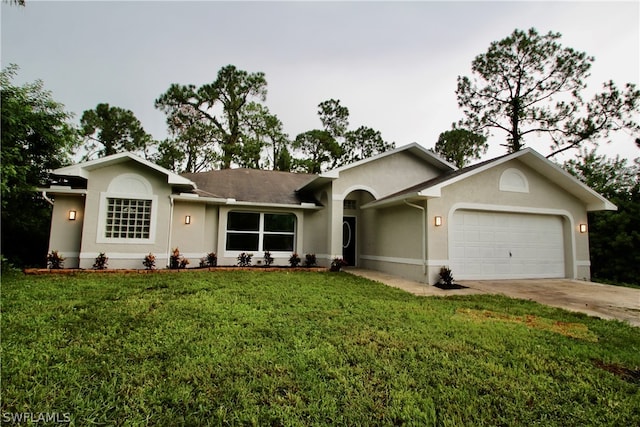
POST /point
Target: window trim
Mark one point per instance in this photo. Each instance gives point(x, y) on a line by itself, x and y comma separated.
point(261, 233)
point(102, 219)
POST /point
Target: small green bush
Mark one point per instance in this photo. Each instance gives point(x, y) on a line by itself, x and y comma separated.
point(149, 261)
point(337, 264)
point(101, 261)
point(176, 260)
point(268, 259)
point(310, 260)
point(244, 259)
point(446, 277)
point(294, 260)
point(55, 261)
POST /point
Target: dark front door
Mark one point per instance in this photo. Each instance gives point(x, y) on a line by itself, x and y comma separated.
point(349, 240)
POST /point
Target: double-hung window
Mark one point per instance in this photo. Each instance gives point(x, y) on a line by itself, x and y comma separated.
point(253, 231)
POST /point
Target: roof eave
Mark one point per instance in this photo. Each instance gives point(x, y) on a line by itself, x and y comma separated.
point(82, 169)
point(302, 205)
point(318, 181)
point(601, 206)
point(570, 183)
point(63, 190)
point(193, 198)
point(198, 199)
point(392, 201)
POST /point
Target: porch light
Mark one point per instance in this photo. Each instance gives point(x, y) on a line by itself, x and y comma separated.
point(583, 228)
point(72, 215)
point(438, 221)
point(187, 219)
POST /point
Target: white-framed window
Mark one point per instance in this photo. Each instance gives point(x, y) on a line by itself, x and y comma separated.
point(260, 231)
point(128, 218)
point(125, 218)
point(127, 211)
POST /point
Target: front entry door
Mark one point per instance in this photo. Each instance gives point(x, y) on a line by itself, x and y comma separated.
point(349, 240)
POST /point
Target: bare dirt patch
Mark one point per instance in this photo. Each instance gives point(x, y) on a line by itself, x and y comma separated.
point(568, 329)
point(629, 375)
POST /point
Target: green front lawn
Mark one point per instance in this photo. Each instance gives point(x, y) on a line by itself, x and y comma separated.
point(279, 348)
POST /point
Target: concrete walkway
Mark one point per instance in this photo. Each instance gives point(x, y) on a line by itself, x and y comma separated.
point(594, 299)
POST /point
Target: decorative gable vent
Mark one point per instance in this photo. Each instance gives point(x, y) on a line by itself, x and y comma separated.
point(514, 180)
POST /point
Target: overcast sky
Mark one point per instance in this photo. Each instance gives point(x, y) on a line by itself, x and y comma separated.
point(393, 64)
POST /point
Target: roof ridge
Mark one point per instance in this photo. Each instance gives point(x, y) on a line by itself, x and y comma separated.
point(227, 170)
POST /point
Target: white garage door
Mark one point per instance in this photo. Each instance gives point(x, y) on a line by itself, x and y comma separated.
point(497, 245)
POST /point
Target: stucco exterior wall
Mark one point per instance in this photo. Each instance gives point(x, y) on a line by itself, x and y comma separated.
point(66, 234)
point(482, 192)
point(191, 239)
point(316, 223)
point(378, 178)
point(211, 228)
point(392, 241)
point(125, 255)
point(384, 176)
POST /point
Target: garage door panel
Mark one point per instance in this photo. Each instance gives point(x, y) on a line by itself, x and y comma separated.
point(486, 236)
point(472, 252)
point(501, 245)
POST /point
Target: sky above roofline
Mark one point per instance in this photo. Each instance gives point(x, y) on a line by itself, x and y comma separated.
point(393, 64)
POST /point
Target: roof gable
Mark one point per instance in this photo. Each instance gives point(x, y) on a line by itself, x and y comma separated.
point(414, 149)
point(84, 169)
point(528, 156)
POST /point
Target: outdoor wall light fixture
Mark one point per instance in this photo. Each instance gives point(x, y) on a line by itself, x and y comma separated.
point(583, 228)
point(72, 215)
point(438, 221)
point(187, 219)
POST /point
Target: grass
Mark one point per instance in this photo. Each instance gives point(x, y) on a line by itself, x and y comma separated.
point(255, 348)
point(615, 283)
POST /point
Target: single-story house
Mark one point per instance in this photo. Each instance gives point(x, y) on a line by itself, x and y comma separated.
point(406, 212)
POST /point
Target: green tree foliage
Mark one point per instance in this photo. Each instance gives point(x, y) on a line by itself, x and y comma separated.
point(529, 84)
point(460, 146)
point(209, 119)
point(192, 146)
point(614, 237)
point(169, 156)
point(36, 137)
point(334, 117)
point(109, 130)
point(318, 149)
point(264, 143)
point(335, 145)
point(362, 143)
point(283, 161)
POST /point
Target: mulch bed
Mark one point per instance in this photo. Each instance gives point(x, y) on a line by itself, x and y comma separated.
point(451, 286)
point(71, 271)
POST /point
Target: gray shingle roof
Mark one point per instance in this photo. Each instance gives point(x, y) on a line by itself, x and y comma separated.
point(252, 185)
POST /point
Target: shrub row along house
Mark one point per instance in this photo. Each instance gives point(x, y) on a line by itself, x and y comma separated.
point(406, 212)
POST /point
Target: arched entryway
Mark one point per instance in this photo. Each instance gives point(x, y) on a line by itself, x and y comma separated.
point(354, 225)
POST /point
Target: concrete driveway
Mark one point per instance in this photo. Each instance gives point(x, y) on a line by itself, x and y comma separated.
point(594, 299)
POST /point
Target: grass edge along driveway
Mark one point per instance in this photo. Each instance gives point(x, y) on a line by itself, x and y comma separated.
point(254, 348)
